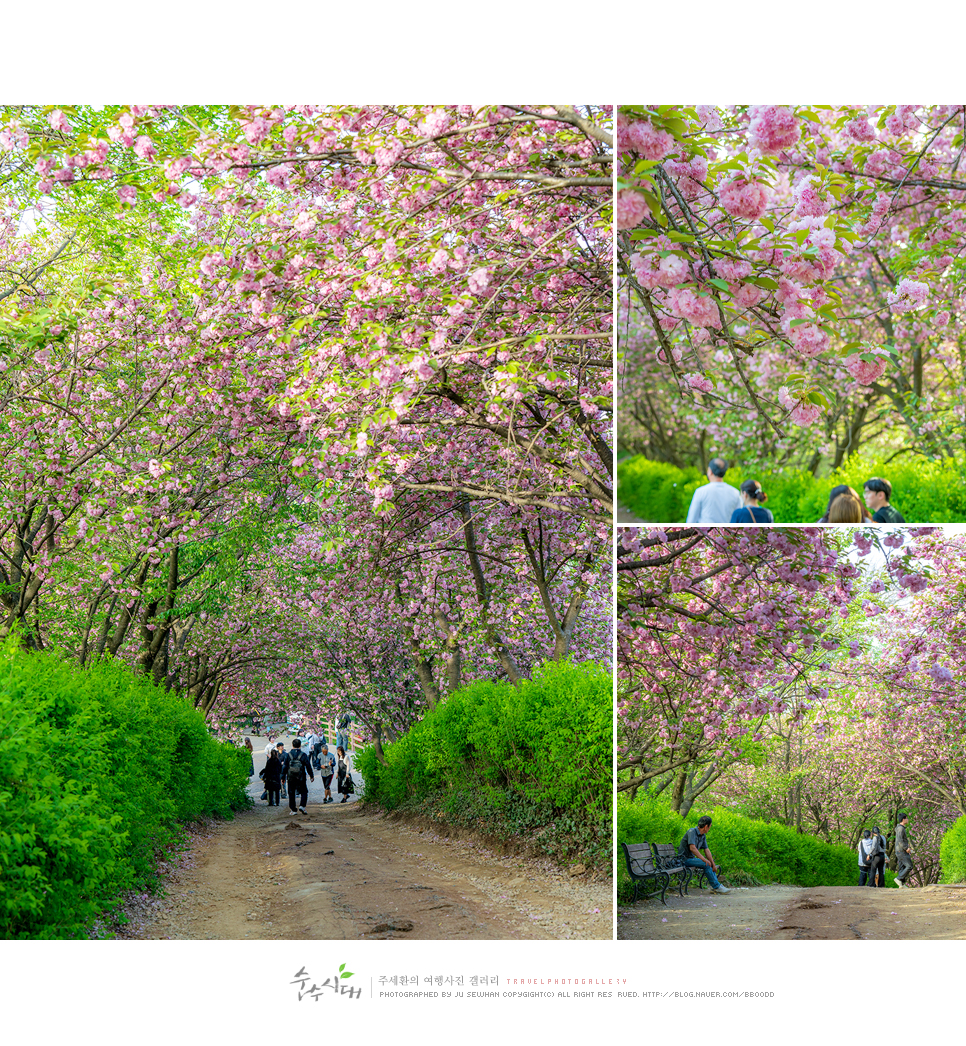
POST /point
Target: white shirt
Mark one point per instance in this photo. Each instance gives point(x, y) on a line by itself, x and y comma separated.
point(713, 504)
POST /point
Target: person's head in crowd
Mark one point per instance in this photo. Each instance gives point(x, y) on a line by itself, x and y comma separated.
point(717, 467)
point(751, 493)
point(877, 493)
point(846, 508)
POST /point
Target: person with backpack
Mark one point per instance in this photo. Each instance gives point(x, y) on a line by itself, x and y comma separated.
point(272, 776)
point(299, 765)
point(877, 858)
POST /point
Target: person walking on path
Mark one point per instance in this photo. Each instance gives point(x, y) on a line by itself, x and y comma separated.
point(342, 731)
point(695, 853)
point(878, 493)
point(327, 760)
point(299, 765)
point(251, 756)
point(866, 846)
point(283, 758)
point(752, 498)
point(713, 504)
point(315, 747)
point(343, 771)
point(878, 859)
point(273, 777)
point(903, 851)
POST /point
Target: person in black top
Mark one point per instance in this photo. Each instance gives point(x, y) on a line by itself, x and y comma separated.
point(299, 765)
point(878, 859)
point(878, 493)
point(751, 498)
point(284, 760)
point(694, 852)
point(342, 769)
point(272, 776)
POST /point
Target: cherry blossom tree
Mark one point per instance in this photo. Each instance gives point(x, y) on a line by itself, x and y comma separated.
point(307, 406)
point(792, 273)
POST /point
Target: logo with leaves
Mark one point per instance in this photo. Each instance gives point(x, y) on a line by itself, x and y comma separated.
point(343, 972)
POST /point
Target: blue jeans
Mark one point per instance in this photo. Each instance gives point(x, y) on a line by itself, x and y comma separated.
point(696, 862)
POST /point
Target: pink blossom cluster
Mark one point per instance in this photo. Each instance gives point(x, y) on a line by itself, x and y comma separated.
point(866, 372)
point(800, 411)
point(652, 271)
point(744, 198)
point(643, 138)
point(772, 128)
point(908, 295)
point(630, 209)
point(691, 305)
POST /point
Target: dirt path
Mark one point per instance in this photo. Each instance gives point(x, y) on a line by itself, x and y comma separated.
point(790, 913)
point(340, 874)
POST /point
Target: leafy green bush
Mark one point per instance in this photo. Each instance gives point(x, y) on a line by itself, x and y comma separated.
point(745, 850)
point(952, 853)
point(656, 491)
point(533, 759)
point(97, 766)
point(923, 491)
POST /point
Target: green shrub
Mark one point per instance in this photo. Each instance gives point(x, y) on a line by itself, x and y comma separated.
point(533, 758)
point(97, 767)
point(923, 491)
point(746, 850)
point(952, 853)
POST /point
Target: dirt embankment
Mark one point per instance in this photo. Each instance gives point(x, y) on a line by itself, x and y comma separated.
point(791, 913)
point(337, 873)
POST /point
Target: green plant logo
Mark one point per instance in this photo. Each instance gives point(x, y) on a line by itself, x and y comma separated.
point(343, 972)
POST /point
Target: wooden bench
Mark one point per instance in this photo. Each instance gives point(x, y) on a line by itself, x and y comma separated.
point(670, 860)
point(666, 852)
point(643, 868)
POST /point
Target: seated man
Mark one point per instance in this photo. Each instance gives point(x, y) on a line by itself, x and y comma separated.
point(694, 842)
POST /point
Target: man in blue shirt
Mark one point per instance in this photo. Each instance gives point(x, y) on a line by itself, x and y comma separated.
point(695, 853)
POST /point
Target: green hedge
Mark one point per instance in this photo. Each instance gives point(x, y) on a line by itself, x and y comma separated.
point(533, 759)
point(745, 850)
point(97, 767)
point(952, 853)
point(923, 491)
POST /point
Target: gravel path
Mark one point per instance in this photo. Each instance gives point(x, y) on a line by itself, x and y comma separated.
point(339, 873)
point(783, 913)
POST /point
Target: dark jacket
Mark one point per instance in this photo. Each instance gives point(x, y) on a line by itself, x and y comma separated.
point(752, 514)
point(298, 755)
point(273, 773)
point(888, 514)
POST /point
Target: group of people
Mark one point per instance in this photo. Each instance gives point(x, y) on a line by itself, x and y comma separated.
point(845, 506)
point(873, 851)
point(286, 774)
point(719, 504)
point(694, 852)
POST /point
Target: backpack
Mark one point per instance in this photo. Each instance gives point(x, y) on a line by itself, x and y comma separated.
point(296, 769)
